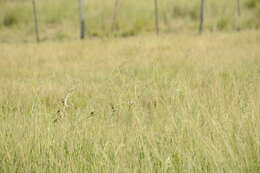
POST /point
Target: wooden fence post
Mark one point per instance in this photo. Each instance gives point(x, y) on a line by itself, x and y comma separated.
point(114, 19)
point(82, 19)
point(36, 27)
point(238, 8)
point(238, 14)
point(156, 17)
point(202, 9)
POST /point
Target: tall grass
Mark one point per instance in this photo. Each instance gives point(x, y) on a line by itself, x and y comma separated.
point(156, 105)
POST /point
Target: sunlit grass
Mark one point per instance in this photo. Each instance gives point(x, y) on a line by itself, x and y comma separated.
point(175, 103)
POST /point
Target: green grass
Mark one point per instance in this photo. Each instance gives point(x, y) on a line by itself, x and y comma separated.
point(175, 103)
point(59, 19)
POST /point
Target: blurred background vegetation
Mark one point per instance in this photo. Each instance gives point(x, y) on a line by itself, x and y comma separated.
point(59, 19)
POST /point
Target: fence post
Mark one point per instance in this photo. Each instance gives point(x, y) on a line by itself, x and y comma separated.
point(202, 6)
point(114, 19)
point(156, 17)
point(238, 14)
point(36, 27)
point(238, 8)
point(82, 19)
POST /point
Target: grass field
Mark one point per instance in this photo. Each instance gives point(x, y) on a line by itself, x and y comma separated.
point(59, 19)
point(174, 103)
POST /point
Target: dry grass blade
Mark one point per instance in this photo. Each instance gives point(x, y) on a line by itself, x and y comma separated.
point(62, 111)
